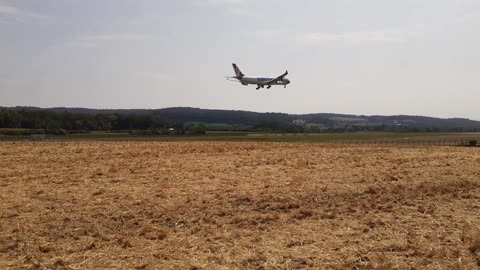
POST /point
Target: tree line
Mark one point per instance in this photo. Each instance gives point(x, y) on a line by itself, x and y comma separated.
point(53, 122)
point(196, 121)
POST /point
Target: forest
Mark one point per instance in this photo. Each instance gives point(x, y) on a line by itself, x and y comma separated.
point(197, 121)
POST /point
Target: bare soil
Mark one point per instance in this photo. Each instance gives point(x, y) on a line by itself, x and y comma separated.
point(210, 205)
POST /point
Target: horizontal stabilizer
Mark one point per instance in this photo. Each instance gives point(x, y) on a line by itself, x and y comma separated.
point(233, 79)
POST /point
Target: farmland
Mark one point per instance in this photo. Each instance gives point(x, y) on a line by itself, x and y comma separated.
point(238, 205)
point(388, 138)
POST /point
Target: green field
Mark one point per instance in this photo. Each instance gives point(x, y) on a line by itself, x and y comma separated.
point(371, 138)
point(383, 138)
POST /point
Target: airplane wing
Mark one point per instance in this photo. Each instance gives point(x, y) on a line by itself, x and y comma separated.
point(279, 78)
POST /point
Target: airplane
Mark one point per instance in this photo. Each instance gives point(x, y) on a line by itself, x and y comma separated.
point(261, 82)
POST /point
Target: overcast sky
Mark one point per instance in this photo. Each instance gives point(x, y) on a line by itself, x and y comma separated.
point(417, 57)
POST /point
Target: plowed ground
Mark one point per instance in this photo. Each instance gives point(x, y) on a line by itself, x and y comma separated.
point(207, 205)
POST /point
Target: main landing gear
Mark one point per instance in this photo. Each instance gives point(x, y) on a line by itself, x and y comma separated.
point(260, 86)
point(268, 87)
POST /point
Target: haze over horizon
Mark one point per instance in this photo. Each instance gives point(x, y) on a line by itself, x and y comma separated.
point(370, 57)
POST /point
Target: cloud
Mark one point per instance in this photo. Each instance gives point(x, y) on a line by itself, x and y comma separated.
point(10, 14)
point(93, 41)
point(270, 34)
point(221, 2)
point(229, 2)
point(353, 37)
point(152, 76)
point(241, 8)
point(379, 36)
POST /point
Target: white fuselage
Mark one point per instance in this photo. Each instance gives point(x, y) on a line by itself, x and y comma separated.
point(262, 80)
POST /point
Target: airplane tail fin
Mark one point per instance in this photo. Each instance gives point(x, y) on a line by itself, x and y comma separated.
point(238, 73)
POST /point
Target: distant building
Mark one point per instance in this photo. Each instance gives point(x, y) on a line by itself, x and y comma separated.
point(38, 137)
point(299, 122)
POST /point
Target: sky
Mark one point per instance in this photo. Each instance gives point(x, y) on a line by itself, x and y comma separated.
point(365, 57)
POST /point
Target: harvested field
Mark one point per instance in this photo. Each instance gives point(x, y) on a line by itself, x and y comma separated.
point(211, 205)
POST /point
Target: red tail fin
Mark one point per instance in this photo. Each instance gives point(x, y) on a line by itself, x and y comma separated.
point(237, 71)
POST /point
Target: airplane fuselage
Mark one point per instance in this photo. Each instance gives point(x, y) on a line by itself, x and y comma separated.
point(246, 80)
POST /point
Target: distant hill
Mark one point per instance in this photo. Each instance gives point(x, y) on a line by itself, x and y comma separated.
point(322, 120)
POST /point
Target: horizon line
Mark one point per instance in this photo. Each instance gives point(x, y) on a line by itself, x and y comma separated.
point(190, 107)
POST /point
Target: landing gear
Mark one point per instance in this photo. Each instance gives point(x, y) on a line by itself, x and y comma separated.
point(268, 87)
point(260, 86)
